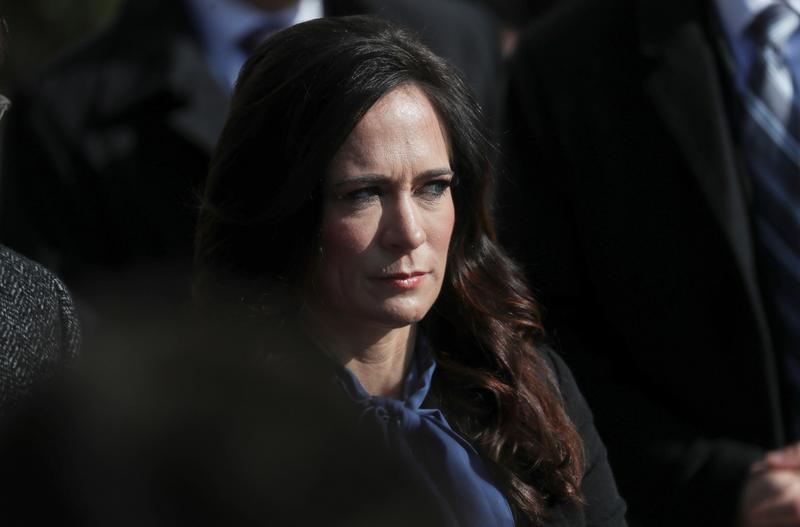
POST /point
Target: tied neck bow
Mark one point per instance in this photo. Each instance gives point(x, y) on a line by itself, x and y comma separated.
point(447, 464)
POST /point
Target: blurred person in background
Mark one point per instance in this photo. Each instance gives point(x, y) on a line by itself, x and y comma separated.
point(110, 144)
point(39, 331)
point(655, 156)
point(347, 211)
point(41, 29)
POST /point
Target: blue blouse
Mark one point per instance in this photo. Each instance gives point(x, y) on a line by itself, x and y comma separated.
point(450, 467)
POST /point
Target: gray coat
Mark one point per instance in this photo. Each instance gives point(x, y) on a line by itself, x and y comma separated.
point(39, 330)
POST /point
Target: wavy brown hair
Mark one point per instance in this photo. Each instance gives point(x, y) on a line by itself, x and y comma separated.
point(297, 99)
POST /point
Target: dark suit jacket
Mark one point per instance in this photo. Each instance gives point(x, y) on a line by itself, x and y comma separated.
point(106, 151)
point(630, 211)
point(39, 332)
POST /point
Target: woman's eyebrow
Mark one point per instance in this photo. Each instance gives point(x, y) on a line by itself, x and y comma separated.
point(366, 179)
point(434, 172)
point(376, 179)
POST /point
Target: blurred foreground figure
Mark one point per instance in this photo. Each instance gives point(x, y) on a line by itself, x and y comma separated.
point(108, 148)
point(655, 200)
point(178, 424)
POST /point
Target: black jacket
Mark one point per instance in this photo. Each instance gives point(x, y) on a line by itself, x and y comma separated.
point(629, 207)
point(603, 505)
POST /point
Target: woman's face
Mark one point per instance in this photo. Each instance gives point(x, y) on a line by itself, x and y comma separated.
point(387, 216)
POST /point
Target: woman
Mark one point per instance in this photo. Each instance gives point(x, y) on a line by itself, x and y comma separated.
point(348, 200)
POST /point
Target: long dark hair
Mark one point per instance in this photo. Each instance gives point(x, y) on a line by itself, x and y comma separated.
point(297, 99)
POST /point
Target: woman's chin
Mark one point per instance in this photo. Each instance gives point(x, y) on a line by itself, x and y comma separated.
point(399, 316)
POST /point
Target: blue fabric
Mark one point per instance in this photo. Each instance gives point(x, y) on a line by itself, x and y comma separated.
point(736, 16)
point(445, 461)
point(223, 24)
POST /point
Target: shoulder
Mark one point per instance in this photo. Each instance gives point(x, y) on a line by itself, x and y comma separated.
point(25, 281)
point(39, 329)
point(421, 13)
point(574, 403)
point(580, 21)
point(464, 33)
point(576, 34)
point(603, 504)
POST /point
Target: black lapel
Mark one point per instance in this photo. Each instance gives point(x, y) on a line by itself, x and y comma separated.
point(685, 87)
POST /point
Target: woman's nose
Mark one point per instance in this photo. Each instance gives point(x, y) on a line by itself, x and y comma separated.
point(402, 226)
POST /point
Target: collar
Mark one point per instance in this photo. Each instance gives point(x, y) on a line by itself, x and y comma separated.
point(416, 384)
point(737, 15)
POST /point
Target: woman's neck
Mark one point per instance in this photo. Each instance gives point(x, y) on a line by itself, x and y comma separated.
point(378, 357)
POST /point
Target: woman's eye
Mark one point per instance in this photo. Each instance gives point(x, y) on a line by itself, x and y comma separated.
point(362, 195)
point(434, 189)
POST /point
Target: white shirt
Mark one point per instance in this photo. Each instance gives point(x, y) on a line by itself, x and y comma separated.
point(735, 17)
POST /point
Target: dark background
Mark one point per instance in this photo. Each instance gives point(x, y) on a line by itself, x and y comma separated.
point(40, 29)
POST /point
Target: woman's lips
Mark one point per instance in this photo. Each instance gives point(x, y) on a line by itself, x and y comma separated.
point(402, 280)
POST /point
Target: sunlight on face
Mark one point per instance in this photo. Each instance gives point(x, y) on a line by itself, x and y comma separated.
point(388, 215)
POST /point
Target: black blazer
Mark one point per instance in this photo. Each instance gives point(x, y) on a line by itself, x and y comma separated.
point(630, 211)
point(603, 505)
point(39, 332)
point(106, 151)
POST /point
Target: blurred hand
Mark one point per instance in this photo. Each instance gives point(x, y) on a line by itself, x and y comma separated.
point(787, 458)
point(771, 495)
